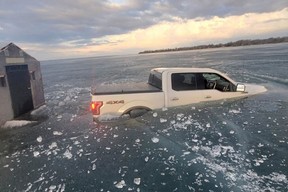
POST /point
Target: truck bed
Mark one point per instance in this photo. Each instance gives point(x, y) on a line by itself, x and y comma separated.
point(142, 87)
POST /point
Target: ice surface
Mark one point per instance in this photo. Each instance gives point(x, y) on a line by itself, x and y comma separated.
point(237, 145)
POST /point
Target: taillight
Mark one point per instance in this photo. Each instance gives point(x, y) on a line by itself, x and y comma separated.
point(95, 107)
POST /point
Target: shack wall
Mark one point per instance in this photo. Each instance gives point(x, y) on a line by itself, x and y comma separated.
point(6, 111)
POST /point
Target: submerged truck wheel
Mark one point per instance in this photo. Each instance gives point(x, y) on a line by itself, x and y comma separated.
point(137, 112)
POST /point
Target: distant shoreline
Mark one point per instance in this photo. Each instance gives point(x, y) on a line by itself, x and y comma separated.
point(221, 45)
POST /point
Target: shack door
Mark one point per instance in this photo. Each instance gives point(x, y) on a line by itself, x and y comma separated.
point(20, 89)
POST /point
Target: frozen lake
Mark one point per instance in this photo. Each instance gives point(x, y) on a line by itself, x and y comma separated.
point(233, 145)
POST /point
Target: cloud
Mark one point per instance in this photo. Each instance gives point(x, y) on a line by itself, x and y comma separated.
point(133, 24)
point(183, 32)
point(54, 22)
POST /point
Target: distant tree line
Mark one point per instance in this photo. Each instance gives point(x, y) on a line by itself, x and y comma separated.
point(230, 44)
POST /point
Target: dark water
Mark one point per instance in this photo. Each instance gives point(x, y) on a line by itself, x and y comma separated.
point(233, 145)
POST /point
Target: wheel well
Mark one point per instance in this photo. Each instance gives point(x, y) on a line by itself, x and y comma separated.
point(134, 108)
point(137, 111)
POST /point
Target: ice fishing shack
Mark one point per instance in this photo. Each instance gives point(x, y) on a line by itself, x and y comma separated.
point(21, 86)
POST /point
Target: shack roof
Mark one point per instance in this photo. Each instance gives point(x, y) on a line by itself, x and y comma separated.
point(3, 45)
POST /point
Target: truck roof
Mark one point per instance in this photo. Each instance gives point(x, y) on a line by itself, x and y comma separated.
point(193, 70)
point(186, 69)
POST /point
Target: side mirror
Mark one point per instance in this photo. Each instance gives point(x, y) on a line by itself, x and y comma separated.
point(240, 88)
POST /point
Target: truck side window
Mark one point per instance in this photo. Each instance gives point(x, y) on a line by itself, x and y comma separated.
point(178, 82)
point(215, 81)
point(200, 81)
point(155, 79)
point(188, 81)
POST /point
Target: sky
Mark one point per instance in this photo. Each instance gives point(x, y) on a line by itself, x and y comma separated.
point(58, 29)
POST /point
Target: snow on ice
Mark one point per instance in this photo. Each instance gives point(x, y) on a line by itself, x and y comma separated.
point(17, 123)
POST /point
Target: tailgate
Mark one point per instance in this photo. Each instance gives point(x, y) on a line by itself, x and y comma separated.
point(118, 104)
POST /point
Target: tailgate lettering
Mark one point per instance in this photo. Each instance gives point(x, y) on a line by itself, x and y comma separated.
point(115, 102)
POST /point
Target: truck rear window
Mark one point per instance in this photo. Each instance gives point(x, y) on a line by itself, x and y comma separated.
point(155, 79)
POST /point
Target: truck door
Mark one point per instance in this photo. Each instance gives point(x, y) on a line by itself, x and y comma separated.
point(20, 88)
point(187, 88)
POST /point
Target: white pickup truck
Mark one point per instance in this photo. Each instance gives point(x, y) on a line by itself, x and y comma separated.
point(167, 87)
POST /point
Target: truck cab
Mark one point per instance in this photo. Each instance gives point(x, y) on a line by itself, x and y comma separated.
point(184, 85)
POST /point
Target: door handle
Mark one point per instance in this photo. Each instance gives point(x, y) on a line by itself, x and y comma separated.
point(29, 88)
point(175, 99)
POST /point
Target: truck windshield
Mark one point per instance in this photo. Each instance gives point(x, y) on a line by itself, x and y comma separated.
point(155, 79)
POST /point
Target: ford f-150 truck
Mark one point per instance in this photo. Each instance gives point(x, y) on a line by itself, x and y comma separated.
point(167, 87)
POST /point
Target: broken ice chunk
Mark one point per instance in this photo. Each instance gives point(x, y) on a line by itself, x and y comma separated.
point(137, 181)
point(68, 154)
point(53, 145)
point(260, 145)
point(94, 167)
point(155, 140)
point(120, 184)
point(235, 111)
point(36, 153)
point(39, 139)
point(52, 187)
point(57, 133)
